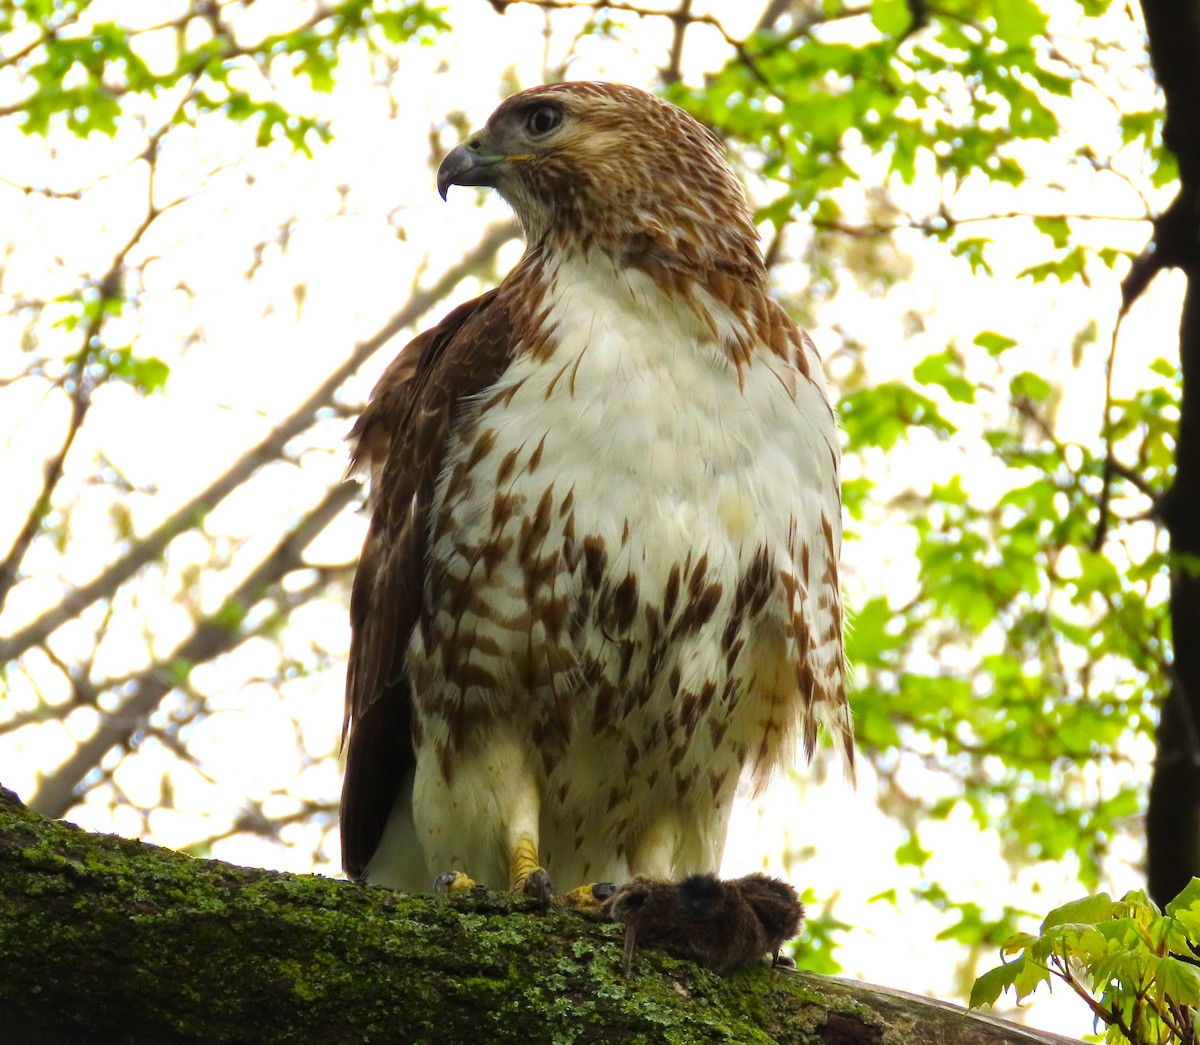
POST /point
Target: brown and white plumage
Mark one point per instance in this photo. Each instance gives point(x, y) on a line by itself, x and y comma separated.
point(600, 580)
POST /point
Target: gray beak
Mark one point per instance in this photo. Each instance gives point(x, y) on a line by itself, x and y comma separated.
point(467, 164)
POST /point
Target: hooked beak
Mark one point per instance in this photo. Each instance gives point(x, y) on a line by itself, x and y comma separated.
point(467, 164)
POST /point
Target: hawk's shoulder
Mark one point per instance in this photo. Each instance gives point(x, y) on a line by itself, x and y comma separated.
point(427, 376)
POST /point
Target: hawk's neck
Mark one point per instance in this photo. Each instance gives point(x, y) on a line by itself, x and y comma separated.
point(724, 309)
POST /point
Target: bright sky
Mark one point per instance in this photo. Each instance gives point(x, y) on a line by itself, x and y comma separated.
point(364, 226)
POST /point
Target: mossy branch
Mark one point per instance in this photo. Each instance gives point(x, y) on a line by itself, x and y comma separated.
point(106, 939)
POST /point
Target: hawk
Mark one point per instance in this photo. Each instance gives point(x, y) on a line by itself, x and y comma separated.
point(600, 582)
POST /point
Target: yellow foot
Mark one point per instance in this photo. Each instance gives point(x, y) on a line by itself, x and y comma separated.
point(453, 882)
point(530, 878)
point(587, 897)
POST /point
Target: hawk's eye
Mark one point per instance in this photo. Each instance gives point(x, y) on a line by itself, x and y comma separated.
point(542, 120)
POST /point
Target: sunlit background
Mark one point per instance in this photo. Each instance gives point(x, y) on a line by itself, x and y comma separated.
point(161, 710)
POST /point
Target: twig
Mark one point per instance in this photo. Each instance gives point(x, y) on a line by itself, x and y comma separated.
point(109, 287)
point(682, 18)
point(52, 472)
point(1106, 436)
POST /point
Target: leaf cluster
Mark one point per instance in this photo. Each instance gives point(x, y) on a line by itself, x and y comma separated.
point(79, 69)
point(1133, 964)
point(946, 94)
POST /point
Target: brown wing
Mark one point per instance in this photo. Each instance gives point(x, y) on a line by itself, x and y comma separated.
point(401, 436)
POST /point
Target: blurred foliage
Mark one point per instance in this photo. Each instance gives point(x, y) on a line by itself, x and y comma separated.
point(1025, 661)
point(1067, 645)
point(1130, 962)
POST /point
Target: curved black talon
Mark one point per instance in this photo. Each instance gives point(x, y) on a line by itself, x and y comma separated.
point(538, 886)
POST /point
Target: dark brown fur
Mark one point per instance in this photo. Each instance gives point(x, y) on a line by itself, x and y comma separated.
point(723, 924)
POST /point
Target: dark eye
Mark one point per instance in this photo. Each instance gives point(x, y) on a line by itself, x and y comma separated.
point(543, 120)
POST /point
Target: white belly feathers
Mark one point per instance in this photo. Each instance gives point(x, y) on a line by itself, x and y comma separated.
point(631, 470)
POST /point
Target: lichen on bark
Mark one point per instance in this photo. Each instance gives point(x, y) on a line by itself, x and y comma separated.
point(107, 939)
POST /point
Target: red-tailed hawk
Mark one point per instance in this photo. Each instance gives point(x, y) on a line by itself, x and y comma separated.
point(601, 576)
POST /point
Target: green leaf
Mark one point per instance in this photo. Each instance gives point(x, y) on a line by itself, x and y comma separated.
point(1179, 981)
point(1019, 21)
point(973, 250)
point(1028, 385)
point(911, 852)
point(945, 369)
point(1065, 268)
point(1188, 898)
point(1018, 942)
point(988, 987)
point(993, 342)
point(1030, 976)
point(883, 414)
point(891, 17)
point(1089, 910)
point(1023, 975)
point(146, 373)
point(875, 631)
point(1056, 228)
point(1165, 368)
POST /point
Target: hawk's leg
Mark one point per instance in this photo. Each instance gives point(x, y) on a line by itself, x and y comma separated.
point(530, 878)
point(656, 852)
point(479, 815)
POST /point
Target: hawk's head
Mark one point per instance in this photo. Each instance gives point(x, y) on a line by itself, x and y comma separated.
point(601, 165)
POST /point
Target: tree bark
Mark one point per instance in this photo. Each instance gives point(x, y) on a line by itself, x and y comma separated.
point(1173, 816)
point(109, 940)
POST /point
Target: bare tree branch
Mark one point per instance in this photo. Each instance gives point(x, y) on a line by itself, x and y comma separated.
point(56, 792)
point(108, 939)
point(152, 546)
point(52, 473)
point(682, 19)
point(81, 383)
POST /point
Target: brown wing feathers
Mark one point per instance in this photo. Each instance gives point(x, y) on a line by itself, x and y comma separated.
point(401, 438)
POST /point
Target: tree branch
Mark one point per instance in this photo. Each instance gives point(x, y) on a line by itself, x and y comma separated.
point(682, 18)
point(112, 940)
point(56, 792)
point(80, 383)
point(152, 546)
point(52, 473)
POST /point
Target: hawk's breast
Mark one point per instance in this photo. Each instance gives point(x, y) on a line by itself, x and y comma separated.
point(626, 531)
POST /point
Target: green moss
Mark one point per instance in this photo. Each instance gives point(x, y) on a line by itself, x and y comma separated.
point(117, 941)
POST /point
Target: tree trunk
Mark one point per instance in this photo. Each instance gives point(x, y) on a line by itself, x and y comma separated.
point(103, 939)
point(1173, 818)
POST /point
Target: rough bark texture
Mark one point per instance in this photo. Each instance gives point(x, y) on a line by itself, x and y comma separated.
point(108, 940)
point(1173, 818)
